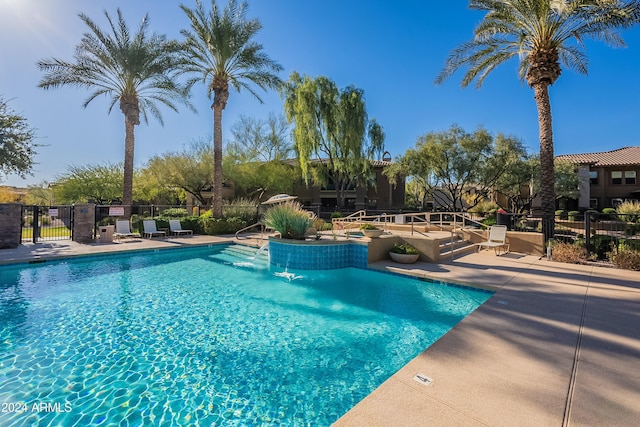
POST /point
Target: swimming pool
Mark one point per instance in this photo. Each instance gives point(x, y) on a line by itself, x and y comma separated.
point(206, 336)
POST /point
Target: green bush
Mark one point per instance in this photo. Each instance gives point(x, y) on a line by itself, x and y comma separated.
point(108, 220)
point(485, 208)
point(609, 211)
point(404, 248)
point(215, 226)
point(560, 214)
point(573, 215)
point(192, 223)
point(367, 226)
point(336, 214)
point(174, 213)
point(601, 246)
point(289, 219)
point(631, 229)
point(489, 221)
point(628, 245)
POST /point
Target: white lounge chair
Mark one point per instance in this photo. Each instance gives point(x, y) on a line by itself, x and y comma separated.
point(123, 230)
point(176, 228)
point(497, 239)
point(150, 229)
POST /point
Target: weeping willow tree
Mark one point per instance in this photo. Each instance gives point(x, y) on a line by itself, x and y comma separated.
point(332, 132)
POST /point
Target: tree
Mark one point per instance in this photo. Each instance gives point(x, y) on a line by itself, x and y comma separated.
point(137, 71)
point(332, 131)
point(256, 140)
point(17, 147)
point(544, 35)
point(189, 170)
point(219, 48)
point(255, 161)
point(521, 182)
point(454, 165)
point(101, 184)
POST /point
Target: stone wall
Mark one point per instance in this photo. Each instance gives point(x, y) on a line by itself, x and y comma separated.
point(10, 225)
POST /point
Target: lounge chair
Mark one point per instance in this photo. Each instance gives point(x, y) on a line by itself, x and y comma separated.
point(150, 229)
point(123, 230)
point(176, 228)
point(497, 239)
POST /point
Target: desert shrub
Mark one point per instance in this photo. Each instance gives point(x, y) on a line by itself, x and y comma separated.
point(289, 219)
point(242, 207)
point(174, 213)
point(566, 252)
point(630, 209)
point(560, 214)
point(573, 215)
point(321, 225)
point(626, 259)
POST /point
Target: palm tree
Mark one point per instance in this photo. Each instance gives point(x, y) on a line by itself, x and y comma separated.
point(544, 35)
point(219, 49)
point(135, 70)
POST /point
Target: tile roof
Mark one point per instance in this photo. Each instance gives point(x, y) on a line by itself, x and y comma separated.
point(621, 157)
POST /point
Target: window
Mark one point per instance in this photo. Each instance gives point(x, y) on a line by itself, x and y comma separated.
point(593, 203)
point(616, 177)
point(630, 177)
point(593, 177)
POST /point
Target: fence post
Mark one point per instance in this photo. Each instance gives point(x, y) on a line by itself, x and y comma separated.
point(587, 232)
point(36, 224)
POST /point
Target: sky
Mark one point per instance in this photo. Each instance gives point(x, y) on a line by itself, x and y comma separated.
point(391, 49)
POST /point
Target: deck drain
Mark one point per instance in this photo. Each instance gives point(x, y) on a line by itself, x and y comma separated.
point(503, 302)
point(423, 379)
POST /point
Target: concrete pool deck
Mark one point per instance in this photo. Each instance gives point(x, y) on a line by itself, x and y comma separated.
point(558, 344)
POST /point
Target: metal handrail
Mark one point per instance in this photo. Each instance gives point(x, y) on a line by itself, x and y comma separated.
point(262, 228)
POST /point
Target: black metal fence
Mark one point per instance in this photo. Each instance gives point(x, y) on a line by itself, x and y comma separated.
point(41, 223)
point(598, 232)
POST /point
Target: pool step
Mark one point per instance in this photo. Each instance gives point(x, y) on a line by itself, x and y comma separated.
point(242, 253)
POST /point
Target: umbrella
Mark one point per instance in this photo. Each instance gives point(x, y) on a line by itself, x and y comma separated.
point(279, 198)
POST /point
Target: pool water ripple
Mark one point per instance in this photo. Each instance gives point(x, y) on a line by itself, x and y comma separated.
point(187, 338)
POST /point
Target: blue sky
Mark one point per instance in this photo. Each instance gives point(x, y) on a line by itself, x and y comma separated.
point(391, 49)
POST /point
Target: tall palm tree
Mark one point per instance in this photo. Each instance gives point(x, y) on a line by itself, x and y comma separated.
point(545, 35)
point(136, 70)
point(219, 49)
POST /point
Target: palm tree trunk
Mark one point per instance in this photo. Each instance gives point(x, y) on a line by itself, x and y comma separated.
point(547, 173)
point(217, 161)
point(129, 143)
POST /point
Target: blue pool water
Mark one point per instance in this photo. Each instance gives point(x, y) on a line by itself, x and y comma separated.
point(206, 337)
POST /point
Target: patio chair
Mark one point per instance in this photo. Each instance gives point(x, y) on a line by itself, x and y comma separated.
point(176, 228)
point(497, 239)
point(123, 230)
point(150, 229)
